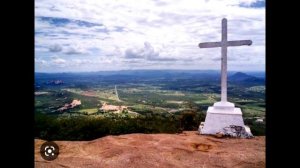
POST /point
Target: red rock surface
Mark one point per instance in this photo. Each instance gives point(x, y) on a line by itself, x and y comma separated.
point(188, 149)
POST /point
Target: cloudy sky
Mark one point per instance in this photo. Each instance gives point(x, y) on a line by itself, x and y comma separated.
point(100, 35)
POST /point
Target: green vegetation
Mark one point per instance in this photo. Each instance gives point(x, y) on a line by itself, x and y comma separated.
point(257, 128)
point(89, 111)
point(88, 128)
point(154, 105)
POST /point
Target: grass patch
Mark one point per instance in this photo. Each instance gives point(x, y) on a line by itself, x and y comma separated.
point(89, 111)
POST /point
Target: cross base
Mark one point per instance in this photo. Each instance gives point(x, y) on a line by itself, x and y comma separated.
point(224, 106)
point(220, 116)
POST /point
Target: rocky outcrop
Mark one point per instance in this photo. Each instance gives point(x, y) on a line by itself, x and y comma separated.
point(187, 149)
point(236, 132)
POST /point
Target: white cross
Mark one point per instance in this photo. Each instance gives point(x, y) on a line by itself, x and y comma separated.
point(224, 44)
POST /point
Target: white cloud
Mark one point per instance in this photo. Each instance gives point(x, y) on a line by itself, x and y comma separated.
point(73, 51)
point(40, 61)
point(58, 61)
point(146, 52)
point(55, 48)
point(114, 32)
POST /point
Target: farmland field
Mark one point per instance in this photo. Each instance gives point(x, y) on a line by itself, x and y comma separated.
point(180, 98)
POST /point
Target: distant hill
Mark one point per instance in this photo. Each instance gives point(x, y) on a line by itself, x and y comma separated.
point(183, 77)
point(240, 77)
point(133, 75)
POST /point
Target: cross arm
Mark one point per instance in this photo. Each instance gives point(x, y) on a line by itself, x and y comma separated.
point(239, 42)
point(210, 44)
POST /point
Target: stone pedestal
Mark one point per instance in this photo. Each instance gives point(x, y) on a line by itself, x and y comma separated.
point(221, 115)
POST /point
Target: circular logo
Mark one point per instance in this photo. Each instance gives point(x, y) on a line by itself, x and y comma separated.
point(49, 151)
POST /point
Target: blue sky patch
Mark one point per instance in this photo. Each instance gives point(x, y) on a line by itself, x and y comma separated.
point(257, 4)
point(64, 21)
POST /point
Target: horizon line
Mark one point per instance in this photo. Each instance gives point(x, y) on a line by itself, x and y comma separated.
point(149, 70)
